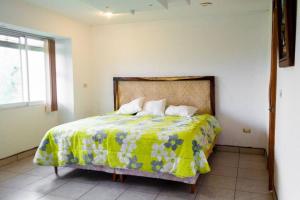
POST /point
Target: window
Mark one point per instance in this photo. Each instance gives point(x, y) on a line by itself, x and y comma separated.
point(24, 70)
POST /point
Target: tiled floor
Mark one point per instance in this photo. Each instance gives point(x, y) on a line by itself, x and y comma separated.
point(233, 176)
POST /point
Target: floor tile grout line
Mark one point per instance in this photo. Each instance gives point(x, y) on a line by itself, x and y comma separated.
point(196, 195)
point(23, 190)
point(237, 174)
point(24, 173)
point(47, 193)
point(252, 179)
point(254, 192)
point(4, 170)
point(15, 175)
point(222, 176)
point(1, 183)
point(66, 181)
point(127, 188)
point(156, 196)
point(41, 196)
point(87, 192)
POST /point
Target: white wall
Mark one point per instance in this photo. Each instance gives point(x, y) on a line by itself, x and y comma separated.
point(233, 48)
point(64, 80)
point(287, 146)
point(22, 128)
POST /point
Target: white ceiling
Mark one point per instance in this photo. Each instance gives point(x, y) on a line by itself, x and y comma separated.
point(92, 11)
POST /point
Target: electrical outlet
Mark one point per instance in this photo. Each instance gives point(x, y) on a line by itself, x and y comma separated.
point(247, 130)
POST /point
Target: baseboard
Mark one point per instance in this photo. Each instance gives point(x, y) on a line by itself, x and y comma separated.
point(274, 193)
point(239, 149)
point(17, 156)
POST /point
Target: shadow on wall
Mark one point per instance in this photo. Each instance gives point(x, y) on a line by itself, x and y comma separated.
point(64, 71)
point(232, 132)
point(235, 112)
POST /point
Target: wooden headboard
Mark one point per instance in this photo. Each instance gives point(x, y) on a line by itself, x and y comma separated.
point(198, 91)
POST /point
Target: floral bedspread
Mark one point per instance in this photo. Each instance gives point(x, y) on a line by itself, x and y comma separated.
point(168, 144)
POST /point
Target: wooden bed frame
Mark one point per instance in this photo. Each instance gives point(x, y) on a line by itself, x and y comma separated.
point(199, 92)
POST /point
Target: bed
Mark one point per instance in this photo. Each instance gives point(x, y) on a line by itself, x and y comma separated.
point(166, 147)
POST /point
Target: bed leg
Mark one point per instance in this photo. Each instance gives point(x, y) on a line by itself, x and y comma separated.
point(193, 188)
point(56, 171)
point(122, 178)
point(114, 177)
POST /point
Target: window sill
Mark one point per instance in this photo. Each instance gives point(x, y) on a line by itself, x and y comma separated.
point(21, 105)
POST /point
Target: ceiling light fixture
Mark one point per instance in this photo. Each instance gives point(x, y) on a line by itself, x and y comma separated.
point(132, 11)
point(108, 14)
point(206, 3)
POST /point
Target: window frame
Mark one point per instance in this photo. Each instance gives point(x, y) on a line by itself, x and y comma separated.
point(21, 104)
point(50, 69)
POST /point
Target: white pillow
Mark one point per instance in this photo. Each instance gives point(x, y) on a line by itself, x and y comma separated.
point(154, 108)
point(184, 111)
point(132, 107)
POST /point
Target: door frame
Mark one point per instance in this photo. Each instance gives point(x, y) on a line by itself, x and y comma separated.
point(272, 94)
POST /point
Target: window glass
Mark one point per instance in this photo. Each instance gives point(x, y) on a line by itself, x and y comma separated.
point(22, 69)
point(10, 76)
point(36, 43)
point(36, 67)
